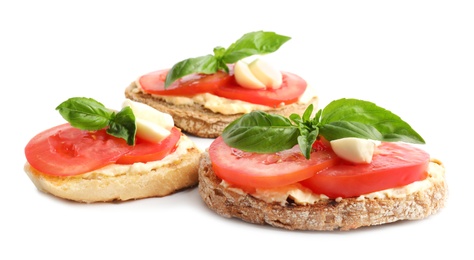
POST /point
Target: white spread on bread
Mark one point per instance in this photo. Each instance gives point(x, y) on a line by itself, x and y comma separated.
point(435, 174)
point(183, 145)
point(303, 196)
point(297, 192)
point(224, 105)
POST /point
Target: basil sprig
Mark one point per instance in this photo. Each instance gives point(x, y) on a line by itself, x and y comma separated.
point(249, 44)
point(261, 132)
point(89, 114)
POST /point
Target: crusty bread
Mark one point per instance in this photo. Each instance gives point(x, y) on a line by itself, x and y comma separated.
point(198, 120)
point(325, 214)
point(175, 172)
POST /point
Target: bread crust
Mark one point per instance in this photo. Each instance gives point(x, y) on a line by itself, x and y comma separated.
point(198, 120)
point(324, 215)
point(177, 174)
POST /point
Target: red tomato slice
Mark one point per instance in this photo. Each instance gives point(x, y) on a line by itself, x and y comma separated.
point(154, 83)
point(65, 151)
point(393, 165)
point(224, 85)
point(292, 88)
point(145, 151)
point(266, 170)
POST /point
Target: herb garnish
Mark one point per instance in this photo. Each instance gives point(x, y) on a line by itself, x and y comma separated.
point(89, 114)
point(249, 44)
point(261, 132)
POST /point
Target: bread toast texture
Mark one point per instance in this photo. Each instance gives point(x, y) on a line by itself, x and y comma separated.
point(175, 172)
point(198, 120)
point(325, 214)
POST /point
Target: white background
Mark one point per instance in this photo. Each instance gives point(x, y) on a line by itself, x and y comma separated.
point(414, 58)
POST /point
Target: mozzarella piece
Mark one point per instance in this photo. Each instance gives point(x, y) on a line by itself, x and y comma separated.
point(356, 150)
point(266, 74)
point(245, 77)
point(152, 125)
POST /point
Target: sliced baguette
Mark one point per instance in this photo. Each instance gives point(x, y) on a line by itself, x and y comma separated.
point(198, 120)
point(175, 172)
point(325, 214)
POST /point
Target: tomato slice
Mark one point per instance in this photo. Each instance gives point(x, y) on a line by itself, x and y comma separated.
point(224, 85)
point(65, 151)
point(393, 165)
point(154, 83)
point(292, 88)
point(145, 151)
point(266, 170)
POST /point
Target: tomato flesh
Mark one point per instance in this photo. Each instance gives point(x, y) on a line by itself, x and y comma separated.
point(145, 151)
point(291, 89)
point(65, 151)
point(154, 83)
point(266, 170)
point(393, 165)
point(225, 85)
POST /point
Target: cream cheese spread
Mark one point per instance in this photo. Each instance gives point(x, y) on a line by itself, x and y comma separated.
point(304, 196)
point(224, 105)
point(137, 168)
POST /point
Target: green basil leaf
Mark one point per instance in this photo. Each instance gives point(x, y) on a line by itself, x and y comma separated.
point(296, 118)
point(253, 43)
point(85, 113)
point(317, 118)
point(259, 42)
point(306, 142)
point(221, 65)
point(261, 132)
point(89, 114)
point(307, 113)
point(391, 127)
point(219, 52)
point(204, 64)
point(268, 133)
point(342, 129)
point(123, 125)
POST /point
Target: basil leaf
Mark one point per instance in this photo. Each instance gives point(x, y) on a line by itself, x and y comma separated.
point(204, 64)
point(341, 129)
point(219, 52)
point(391, 127)
point(266, 133)
point(123, 125)
point(253, 43)
point(307, 113)
point(259, 42)
point(89, 114)
point(296, 118)
point(261, 132)
point(306, 141)
point(85, 113)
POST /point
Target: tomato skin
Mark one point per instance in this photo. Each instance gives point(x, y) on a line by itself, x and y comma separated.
point(247, 170)
point(145, 151)
point(154, 83)
point(66, 151)
point(292, 88)
point(394, 165)
point(56, 151)
point(225, 85)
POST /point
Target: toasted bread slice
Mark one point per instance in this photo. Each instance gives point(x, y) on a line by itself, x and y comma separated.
point(175, 172)
point(415, 202)
point(198, 120)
